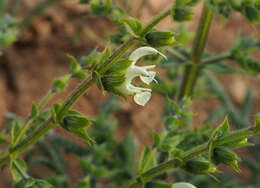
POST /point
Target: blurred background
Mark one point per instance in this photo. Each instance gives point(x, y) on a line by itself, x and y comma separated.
point(64, 27)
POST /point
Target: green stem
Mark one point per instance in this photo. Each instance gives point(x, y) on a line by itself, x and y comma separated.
point(173, 163)
point(76, 93)
point(217, 58)
point(156, 20)
point(29, 120)
point(132, 41)
point(177, 55)
point(117, 54)
point(45, 99)
point(192, 71)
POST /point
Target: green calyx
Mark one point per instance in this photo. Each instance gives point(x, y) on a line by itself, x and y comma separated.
point(199, 166)
point(226, 156)
point(115, 76)
point(160, 38)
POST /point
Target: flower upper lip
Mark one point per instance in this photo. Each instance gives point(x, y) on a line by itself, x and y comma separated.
point(141, 95)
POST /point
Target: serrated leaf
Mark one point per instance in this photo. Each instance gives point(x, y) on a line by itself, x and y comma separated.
point(220, 131)
point(60, 84)
point(34, 111)
point(133, 26)
point(75, 67)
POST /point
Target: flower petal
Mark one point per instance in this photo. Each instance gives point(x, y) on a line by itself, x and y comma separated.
point(183, 185)
point(143, 51)
point(142, 98)
point(148, 79)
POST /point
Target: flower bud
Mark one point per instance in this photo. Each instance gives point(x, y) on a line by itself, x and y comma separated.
point(75, 121)
point(182, 14)
point(199, 166)
point(226, 156)
point(160, 38)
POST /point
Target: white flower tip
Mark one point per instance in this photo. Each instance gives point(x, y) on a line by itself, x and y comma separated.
point(142, 98)
point(143, 51)
point(183, 185)
point(164, 56)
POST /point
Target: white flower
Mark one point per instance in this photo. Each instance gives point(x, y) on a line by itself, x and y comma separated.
point(141, 95)
point(183, 185)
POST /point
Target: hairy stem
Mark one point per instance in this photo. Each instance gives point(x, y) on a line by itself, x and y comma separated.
point(171, 164)
point(29, 120)
point(76, 93)
point(192, 71)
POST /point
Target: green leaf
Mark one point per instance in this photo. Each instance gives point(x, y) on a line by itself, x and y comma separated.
point(85, 183)
point(169, 143)
point(18, 169)
point(75, 67)
point(220, 131)
point(133, 26)
point(102, 58)
point(32, 183)
point(246, 106)
point(128, 151)
point(221, 68)
point(257, 124)
point(100, 7)
point(147, 160)
point(60, 84)
point(94, 170)
point(34, 111)
point(82, 75)
point(3, 140)
point(156, 138)
point(218, 113)
point(182, 10)
point(99, 81)
point(15, 128)
point(56, 112)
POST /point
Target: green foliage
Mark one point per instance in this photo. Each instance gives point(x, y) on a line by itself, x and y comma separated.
point(133, 26)
point(100, 7)
point(249, 8)
point(182, 10)
point(8, 30)
point(60, 84)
